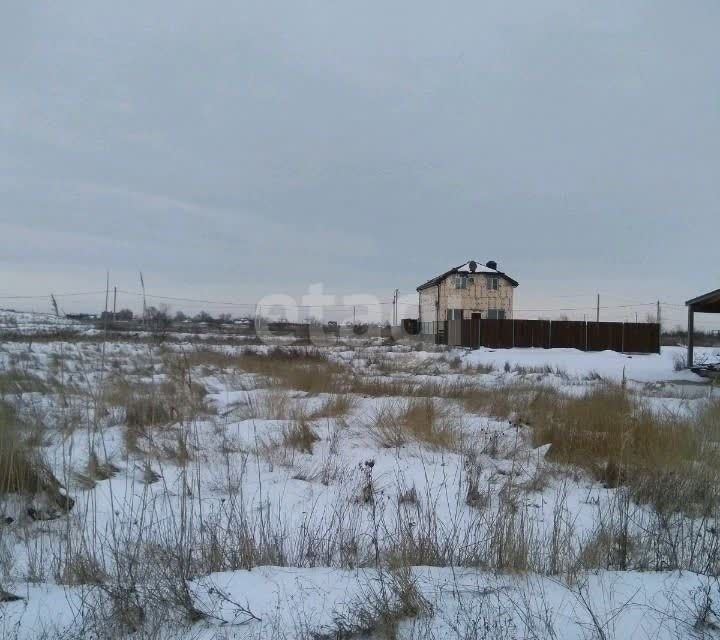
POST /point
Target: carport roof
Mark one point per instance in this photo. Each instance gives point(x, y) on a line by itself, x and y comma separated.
point(706, 303)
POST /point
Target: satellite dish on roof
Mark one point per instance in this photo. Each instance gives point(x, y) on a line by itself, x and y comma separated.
point(492, 265)
point(472, 266)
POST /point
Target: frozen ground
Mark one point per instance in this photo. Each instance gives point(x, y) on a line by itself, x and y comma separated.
point(293, 498)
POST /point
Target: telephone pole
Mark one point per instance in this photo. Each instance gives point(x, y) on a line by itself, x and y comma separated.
point(114, 302)
point(598, 307)
point(659, 316)
point(142, 284)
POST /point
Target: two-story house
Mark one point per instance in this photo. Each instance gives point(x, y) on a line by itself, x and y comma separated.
point(470, 290)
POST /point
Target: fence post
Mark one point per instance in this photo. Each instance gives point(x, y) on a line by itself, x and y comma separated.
point(549, 334)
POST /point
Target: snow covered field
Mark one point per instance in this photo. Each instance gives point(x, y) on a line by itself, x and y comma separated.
point(29, 323)
point(356, 490)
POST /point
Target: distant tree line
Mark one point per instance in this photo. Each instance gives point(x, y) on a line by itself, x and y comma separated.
point(161, 317)
point(679, 336)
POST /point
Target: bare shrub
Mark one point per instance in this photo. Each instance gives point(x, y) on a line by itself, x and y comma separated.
point(679, 361)
point(300, 436)
point(382, 605)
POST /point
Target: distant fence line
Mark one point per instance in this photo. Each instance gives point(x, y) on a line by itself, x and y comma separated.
point(550, 334)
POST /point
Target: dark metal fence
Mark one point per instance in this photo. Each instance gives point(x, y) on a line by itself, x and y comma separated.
point(547, 334)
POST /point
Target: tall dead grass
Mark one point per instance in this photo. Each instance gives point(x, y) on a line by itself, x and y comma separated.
point(152, 405)
point(23, 470)
point(19, 464)
point(418, 419)
point(670, 461)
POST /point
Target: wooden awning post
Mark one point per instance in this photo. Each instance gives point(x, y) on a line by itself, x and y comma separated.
point(691, 335)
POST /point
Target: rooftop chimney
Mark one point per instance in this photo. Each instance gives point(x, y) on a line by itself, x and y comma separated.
point(492, 265)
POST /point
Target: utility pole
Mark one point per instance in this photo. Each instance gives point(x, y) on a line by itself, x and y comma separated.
point(395, 309)
point(598, 307)
point(107, 296)
point(114, 302)
point(142, 284)
point(353, 314)
point(659, 316)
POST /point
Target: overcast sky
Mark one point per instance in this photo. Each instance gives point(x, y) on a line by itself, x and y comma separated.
point(231, 150)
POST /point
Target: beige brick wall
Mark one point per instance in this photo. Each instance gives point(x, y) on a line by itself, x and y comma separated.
point(427, 304)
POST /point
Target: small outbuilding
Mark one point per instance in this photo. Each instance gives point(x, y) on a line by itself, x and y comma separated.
point(707, 303)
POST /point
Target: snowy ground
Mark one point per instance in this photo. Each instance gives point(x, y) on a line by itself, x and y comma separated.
point(29, 323)
point(276, 507)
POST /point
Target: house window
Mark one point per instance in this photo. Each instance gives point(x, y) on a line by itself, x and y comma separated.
point(496, 314)
point(494, 284)
point(460, 282)
point(455, 314)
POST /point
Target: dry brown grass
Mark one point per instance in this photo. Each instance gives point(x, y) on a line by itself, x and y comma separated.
point(272, 404)
point(22, 467)
point(98, 470)
point(18, 462)
point(669, 461)
point(607, 425)
point(15, 381)
point(418, 419)
point(302, 369)
point(148, 405)
point(384, 387)
point(335, 406)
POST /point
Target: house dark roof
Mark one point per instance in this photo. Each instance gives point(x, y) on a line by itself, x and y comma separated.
point(706, 303)
point(465, 268)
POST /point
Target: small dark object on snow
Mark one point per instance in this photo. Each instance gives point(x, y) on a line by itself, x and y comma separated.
point(8, 597)
point(707, 371)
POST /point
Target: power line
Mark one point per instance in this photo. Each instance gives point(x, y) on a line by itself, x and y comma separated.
point(57, 295)
point(342, 306)
point(593, 307)
point(250, 304)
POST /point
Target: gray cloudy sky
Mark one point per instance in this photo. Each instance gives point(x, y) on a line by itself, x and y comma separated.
point(236, 149)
